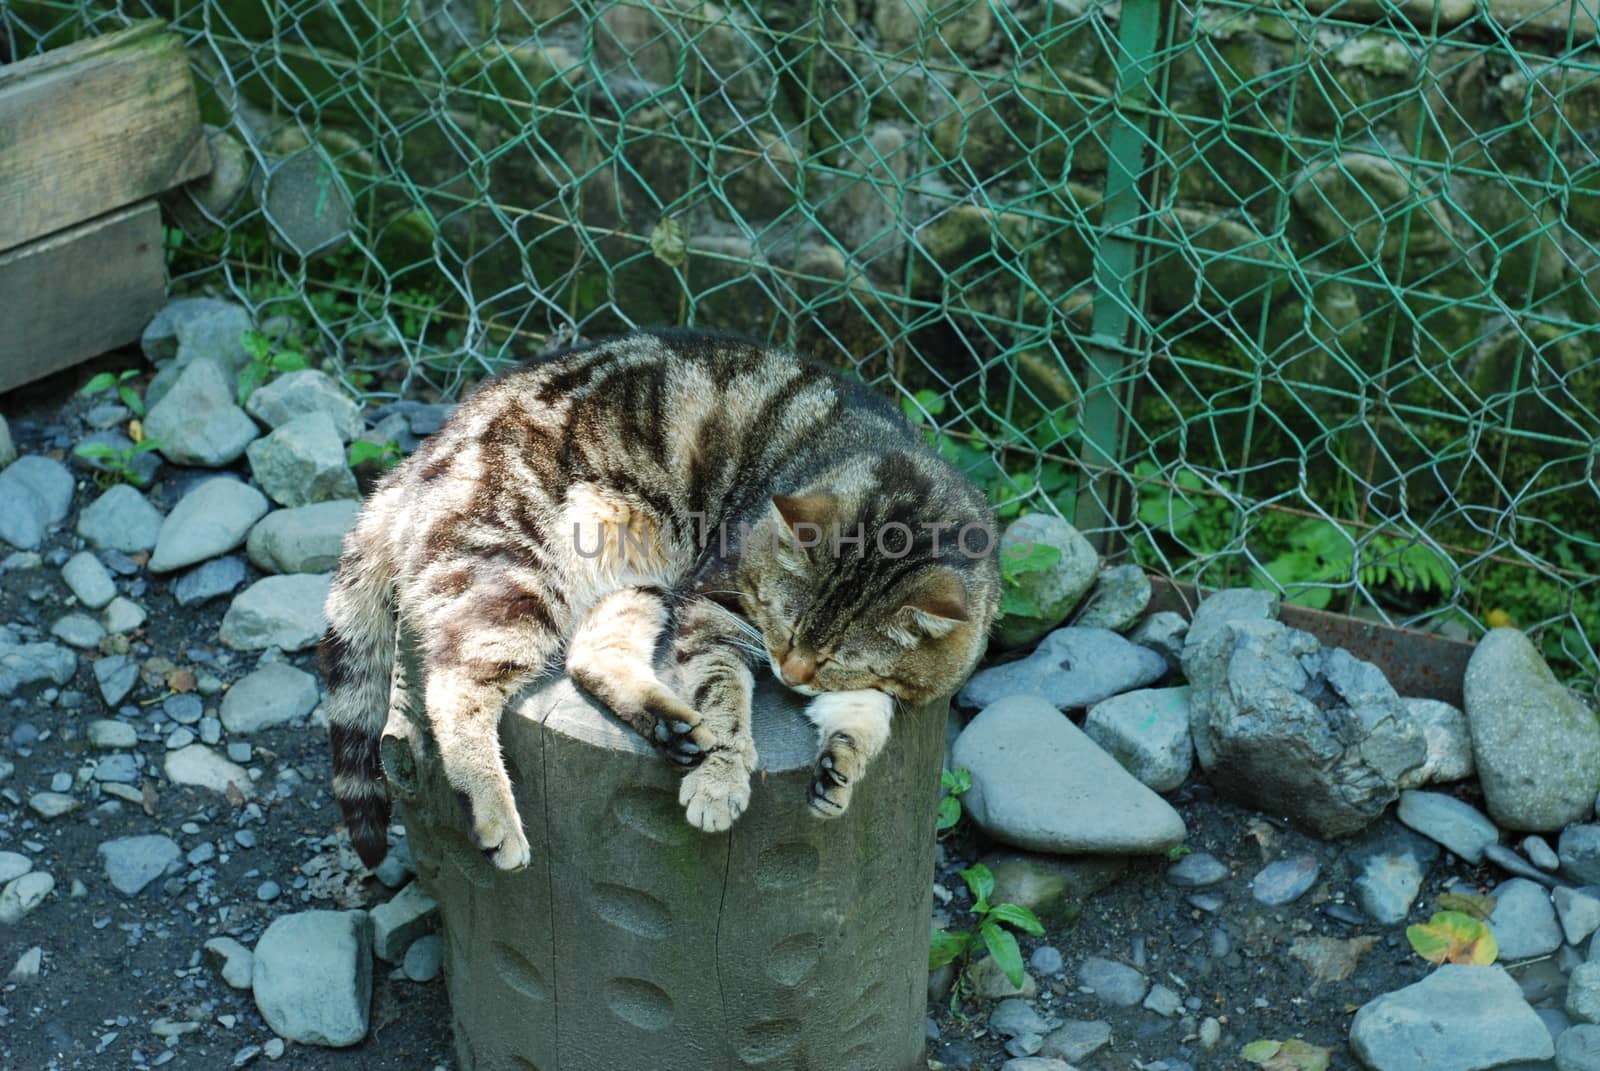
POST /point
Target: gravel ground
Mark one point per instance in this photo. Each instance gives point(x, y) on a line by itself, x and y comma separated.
point(118, 972)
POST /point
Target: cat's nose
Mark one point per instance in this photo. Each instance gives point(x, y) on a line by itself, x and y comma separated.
point(797, 668)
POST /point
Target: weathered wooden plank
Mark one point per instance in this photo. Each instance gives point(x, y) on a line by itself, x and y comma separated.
point(78, 293)
point(92, 127)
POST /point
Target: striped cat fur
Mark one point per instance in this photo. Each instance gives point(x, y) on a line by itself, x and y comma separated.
point(716, 497)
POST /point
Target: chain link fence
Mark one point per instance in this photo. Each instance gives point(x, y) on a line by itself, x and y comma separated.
point(1302, 296)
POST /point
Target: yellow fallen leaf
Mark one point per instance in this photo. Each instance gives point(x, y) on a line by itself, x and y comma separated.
point(136, 431)
point(1452, 937)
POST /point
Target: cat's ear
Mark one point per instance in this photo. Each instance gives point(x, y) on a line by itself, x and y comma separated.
point(812, 511)
point(938, 602)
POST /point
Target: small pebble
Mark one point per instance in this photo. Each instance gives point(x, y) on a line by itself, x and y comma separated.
point(268, 891)
point(1286, 880)
point(1537, 849)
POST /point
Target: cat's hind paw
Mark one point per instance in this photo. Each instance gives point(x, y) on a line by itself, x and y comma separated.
point(715, 794)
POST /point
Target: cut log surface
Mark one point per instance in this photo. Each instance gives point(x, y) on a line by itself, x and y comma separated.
point(635, 942)
point(95, 126)
point(81, 292)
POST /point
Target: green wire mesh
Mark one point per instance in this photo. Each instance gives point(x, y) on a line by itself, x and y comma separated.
point(1301, 296)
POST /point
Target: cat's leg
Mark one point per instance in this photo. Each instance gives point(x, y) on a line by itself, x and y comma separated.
point(714, 671)
point(483, 645)
point(852, 728)
point(612, 655)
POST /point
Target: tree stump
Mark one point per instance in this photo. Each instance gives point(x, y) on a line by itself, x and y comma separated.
point(635, 942)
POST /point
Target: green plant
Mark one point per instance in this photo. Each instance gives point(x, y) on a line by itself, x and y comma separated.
point(385, 455)
point(955, 782)
point(265, 360)
point(116, 462)
point(1324, 553)
point(117, 381)
point(949, 946)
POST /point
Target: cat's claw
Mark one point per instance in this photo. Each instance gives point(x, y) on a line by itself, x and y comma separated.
point(830, 789)
point(679, 741)
point(715, 794)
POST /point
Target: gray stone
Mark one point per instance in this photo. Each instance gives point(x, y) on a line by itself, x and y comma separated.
point(1164, 633)
point(1147, 731)
point(271, 695)
point(196, 421)
point(1056, 590)
point(210, 520)
point(1046, 960)
point(116, 675)
point(199, 765)
point(312, 977)
point(1459, 1018)
point(121, 519)
point(1512, 863)
point(1392, 866)
point(278, 611)
point(121, 768)
point(1292, 728)
point(53, 804)
point(1539, 852)
point(1583, 992)
point(76, 630)
point(209, 580)
point(303, 461)
point(89, 580)
point(35, 493)
point(1119, 596)
point(1054, 888)
point(1113, 983)
point(1035, 1063)
point(424, 958)
point(305, 201)
point(122, 615)
point(1039, 783)
point(1164, 1002)
point(1449, 742)
point(407, 916)
point(1197, 870)
point(1015, 1017)
point(132, 863)
point(950, 28)
point(1077, 1040)
point(233, 961)
point(1536, 744)
point(1219, 609)
point(990, 982)
point(13, 865)
point(1458, 826)
point(303, 540)
point(1579, 852)
point(307, 391)
point(190, 329)
point(1578, 911)
point(23, 894)
point(29, 663)
point(1524, 922)
point(8, 449)
point(1578, 1048)
point(1284, 881)
point(1072, 668)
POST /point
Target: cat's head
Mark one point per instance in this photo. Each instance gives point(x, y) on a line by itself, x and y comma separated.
point(905, 609)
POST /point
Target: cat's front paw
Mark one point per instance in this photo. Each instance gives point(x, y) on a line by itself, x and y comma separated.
point(715, 793)
point(499, 835)
point(833, 776)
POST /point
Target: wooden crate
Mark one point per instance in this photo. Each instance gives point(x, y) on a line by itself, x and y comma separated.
point(90, 134)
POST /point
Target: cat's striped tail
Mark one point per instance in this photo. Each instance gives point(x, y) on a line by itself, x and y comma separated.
point(357, 655)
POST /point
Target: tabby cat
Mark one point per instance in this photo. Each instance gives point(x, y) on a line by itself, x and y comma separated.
point(727, 496)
